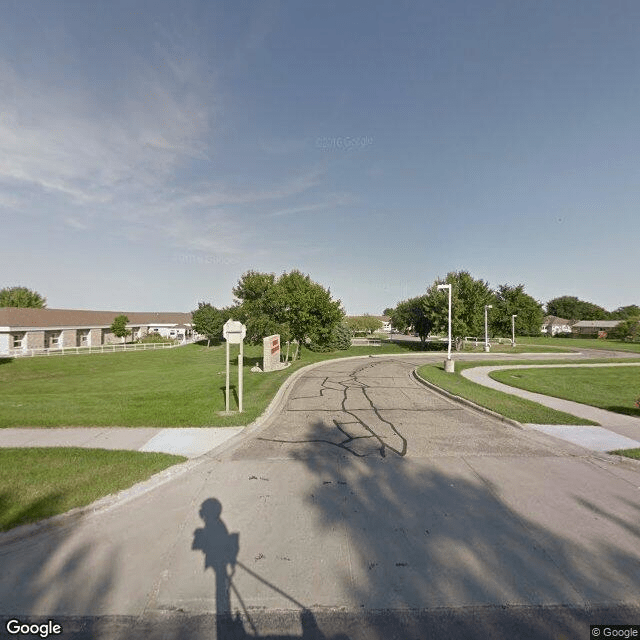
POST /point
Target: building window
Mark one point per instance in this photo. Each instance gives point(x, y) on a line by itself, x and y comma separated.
point(84, 339)
point(17, 340)
point(54, 340)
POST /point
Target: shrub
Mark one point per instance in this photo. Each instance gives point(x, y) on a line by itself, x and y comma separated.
point(341, 338)
point(155, 337)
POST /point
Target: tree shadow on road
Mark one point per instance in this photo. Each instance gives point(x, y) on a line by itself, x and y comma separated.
point(446, 539)
point(44, 567)
point(220, 549)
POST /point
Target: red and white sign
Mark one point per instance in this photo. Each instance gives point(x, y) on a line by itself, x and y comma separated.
point(271, 353)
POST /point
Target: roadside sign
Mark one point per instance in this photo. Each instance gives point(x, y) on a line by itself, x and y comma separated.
point(234, 331)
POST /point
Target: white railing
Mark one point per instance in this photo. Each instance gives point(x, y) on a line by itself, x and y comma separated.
point(365, 342)
point(101, 348)
point(478, 341)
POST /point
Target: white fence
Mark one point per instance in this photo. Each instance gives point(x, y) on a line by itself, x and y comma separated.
point(365, 342)
point(102, 348)
point(478, 341)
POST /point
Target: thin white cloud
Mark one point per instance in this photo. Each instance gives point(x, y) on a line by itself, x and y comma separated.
point(59, 140)
point(295, 210)
point(117, 167)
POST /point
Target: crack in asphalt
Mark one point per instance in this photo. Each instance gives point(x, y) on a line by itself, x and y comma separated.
point(351, 381)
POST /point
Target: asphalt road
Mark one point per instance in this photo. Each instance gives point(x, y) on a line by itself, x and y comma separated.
point(368, 507)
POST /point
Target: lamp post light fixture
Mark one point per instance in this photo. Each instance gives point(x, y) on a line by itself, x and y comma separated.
point(513, 329)
point(486, 334)
point(448, 364)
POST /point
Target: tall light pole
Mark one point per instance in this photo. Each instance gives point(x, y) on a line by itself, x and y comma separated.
point(486, 333)
point(448, 365)
point(513, 329)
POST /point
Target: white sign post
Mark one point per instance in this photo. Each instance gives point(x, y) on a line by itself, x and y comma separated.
point(234, 333)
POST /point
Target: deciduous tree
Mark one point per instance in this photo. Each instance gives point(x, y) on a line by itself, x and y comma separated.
point(119, 327)
point(513, 300)
point(628, 330)
point(293, 306)
point(208, 321)
point(21, 297)
point(572, 308)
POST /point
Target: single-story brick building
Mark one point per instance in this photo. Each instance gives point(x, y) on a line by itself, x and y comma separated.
point(594, 327)
point(28, 330)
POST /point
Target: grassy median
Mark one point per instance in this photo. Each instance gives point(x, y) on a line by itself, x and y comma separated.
point(582, 343)
point(524, 411)
point(611, 388)
point(39, 483)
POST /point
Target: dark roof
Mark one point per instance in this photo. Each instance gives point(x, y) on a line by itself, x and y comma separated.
point(21, 317)
point(605, 324)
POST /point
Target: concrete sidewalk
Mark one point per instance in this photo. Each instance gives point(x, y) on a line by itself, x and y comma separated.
point(364, 495)
point(617, 431)
point(188, 442)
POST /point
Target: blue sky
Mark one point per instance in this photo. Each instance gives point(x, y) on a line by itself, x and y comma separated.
point(151, 152)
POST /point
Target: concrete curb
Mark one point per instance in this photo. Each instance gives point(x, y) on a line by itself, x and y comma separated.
point(468, 403)
point(280, 399)
point(603, 455)
point(111, 501)
point(68, 518)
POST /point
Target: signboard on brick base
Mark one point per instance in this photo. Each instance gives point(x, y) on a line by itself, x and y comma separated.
point(271, 353)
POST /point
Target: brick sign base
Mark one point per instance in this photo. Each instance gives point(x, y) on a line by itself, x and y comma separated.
point(271, 353)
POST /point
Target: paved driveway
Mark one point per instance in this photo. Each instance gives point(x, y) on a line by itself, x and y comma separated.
point(369, 507)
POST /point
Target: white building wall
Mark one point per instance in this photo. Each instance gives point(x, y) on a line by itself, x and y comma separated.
point(4, 343)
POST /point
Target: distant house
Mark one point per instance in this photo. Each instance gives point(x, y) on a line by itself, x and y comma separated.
point(552, 325)
point(386, 323)
point(35, 330)
point(594, 327)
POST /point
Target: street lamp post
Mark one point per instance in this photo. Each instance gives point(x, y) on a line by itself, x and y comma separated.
point(448, 365)
point(513, 329)
point(486, 333)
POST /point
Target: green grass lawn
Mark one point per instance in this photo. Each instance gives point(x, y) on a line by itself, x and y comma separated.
point(629, 453)
point(40, 483)
point(581, 343)
point(612, 388)
point(519, 409)
point(167, 388)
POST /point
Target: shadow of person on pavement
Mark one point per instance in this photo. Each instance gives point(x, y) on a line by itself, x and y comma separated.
point(220, 549)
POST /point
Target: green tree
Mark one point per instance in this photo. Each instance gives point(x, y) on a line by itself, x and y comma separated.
point(628, 330)
point(119, 327)
point(387, 312)
point(401, 317)
point(363, 324)
point(293, 306)
point(414, 314)
point(572, 308)
point(341, 338)
point(468, 299)
point(208, 321)
point(253, 286)
point(513, 300)
point(306, 307)
point(21, 297)
point(624, 313)
point(252, 307)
